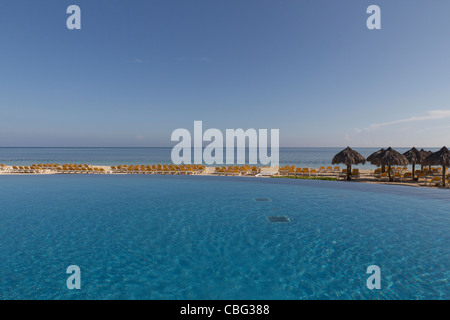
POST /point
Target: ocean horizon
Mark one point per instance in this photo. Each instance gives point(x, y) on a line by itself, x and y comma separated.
point(311, 157)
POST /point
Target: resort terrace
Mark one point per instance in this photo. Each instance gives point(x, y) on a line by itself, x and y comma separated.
point(429, 176)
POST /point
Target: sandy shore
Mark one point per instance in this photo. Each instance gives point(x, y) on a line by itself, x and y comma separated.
point(366, 176)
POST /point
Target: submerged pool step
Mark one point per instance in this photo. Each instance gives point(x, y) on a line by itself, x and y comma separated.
point(262, 199)
point(278, 219)
point(273, 219)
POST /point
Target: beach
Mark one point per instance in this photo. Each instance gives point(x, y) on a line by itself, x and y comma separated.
point(365, 175)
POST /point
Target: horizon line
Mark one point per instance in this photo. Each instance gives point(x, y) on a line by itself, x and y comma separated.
point(60, 147)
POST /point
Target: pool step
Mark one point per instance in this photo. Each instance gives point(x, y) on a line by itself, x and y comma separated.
point(278, 219)
point(262, 199)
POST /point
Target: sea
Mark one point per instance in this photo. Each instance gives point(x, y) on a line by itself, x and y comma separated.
point(107, 156)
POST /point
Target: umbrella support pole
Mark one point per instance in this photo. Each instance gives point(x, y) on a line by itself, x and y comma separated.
point(443, 175)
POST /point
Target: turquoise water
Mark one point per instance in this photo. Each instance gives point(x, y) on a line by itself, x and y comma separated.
point(300, 157)
point(187, 237)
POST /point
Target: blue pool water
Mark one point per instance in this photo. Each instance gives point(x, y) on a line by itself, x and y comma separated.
point(179, 237)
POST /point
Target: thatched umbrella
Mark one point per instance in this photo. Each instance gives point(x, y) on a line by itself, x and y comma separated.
point(390, 157)
point(348, 157)
point(374, 156)
point(424, 154)
point(440, 158)
point(414, 157)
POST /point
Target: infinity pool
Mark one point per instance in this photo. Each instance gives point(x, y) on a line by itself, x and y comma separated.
point(172, 237)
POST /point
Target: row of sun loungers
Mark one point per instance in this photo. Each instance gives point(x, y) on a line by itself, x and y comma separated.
point(159, 169)
point(25, 169)
point(55, 168)
point(437, 181)
point(429, 177)
point(86, 169)
point(237, 171)
point(141, 169)
point(294, 171)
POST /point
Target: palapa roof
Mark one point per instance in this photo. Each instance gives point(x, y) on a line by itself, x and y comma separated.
point(414, 156)
point(348, 156)
point(425, 153)
point(441, 157)
point(374, 155)
point(389, 157)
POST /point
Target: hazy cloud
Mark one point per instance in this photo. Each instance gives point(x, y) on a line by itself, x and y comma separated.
point(194, 59)
point(433, 129)
point(137, 60)
point(431, 115)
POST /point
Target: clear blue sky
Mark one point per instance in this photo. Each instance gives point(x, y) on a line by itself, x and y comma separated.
point(137, 70)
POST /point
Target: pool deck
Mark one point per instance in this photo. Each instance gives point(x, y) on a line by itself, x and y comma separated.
point(366, 176)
